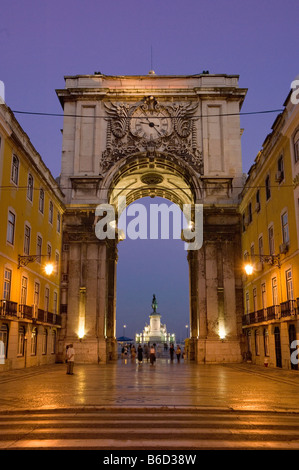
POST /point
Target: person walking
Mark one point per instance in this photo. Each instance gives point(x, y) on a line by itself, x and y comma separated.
point(140, 354)
point(178, 353)
point(152, 355)
point(171, 352)
point(133, 353)
point(146, 352)
point(70, 357)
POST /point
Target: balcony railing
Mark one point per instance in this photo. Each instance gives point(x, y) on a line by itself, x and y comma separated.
point(273, 312)
point(48, 317)
point(285, 309)
point(26, 311)
point(8, 308)
point(288, 308)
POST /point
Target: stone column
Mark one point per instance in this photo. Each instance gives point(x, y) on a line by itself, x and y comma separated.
point(112, 257)
point(193, 296)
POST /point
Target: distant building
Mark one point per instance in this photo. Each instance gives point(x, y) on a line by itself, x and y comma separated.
point(31, 208)
point(270, 228)
point(155, 332)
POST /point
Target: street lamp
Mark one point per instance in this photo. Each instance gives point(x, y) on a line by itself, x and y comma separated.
point(187, 326)
point(26, 259)
point(273, 260)
point(125, 326)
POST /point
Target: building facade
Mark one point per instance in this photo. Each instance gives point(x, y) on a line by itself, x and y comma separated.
point(176, 137)
point(31, 208)
point(269, 211)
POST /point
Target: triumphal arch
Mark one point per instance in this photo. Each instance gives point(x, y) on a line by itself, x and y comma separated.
point(177, 137)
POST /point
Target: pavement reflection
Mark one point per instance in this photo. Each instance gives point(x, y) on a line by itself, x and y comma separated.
point(129, 384)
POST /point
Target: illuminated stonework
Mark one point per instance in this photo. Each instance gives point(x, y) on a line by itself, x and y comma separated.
point(176, 137)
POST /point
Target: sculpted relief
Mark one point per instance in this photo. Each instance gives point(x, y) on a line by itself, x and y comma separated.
point(151, 128)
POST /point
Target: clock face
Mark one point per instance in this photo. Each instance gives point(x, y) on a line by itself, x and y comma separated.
point(150, 126)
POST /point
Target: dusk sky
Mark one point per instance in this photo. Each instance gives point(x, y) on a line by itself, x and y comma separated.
point(43, 41)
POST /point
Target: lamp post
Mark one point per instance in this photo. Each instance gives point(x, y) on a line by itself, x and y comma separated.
point(125, 326)
point(23, 260)
point(273, 260)
point(187, 326)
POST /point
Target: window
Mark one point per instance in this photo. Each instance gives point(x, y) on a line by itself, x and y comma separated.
point(49, 250)
point(27, 240)
point(21, 341)
point(47, 297)
point(36, 294)
point(257, 201)
point(30, 187)
point(33, 341)
point(39, 247)
point(268, 189)
point(252, 251)
point(58, 222)
point(285, 228)
point(271, 240)
point(249, 213)
point(254, 299)
point(7, 284)
point(15, 169)
point(289, 284)
point(11, 227)
point(51, 212)
point(296, 146)
point(24, 286)
point(261, 247)
point(274, 291)
point(41, 203)
point(247, 303)
point(280, 168)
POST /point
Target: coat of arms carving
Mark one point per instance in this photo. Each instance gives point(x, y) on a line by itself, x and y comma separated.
point(152, 127)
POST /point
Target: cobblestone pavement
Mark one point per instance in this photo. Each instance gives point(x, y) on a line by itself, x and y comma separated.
point(240, 387)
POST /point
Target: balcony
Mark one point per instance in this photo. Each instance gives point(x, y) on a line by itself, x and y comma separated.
point(288, 308)
point(275, 312)
point(8, 308)
point(26, 311)
point(48, 317)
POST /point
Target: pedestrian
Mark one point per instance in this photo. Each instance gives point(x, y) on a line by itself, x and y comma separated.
point(133, 353)
point(152, 355)
point(146, 352)
point(70, 359)
point(178, 353)
point(140, 354)
point(171, 351)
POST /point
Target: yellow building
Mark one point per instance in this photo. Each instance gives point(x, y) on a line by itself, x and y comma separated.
point(31, 208)
point(269, 211)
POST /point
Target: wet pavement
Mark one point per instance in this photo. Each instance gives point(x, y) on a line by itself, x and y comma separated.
point(126, 384)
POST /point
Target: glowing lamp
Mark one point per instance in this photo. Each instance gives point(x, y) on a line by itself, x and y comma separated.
point(49, 268)
point(81, 332)
point(248, 269)
point(222, 333)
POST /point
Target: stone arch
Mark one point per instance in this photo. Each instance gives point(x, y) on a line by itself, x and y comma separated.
point(156, 175)
point(135, 177)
